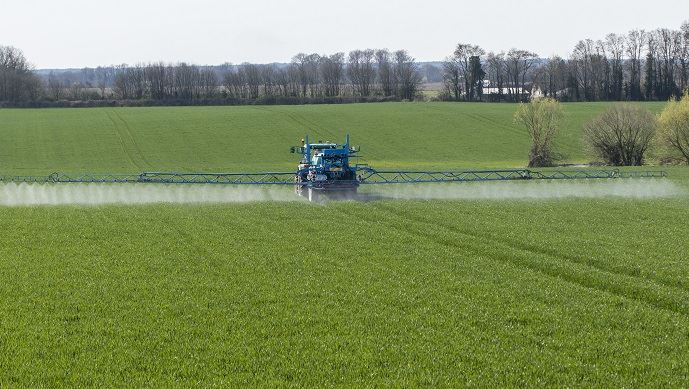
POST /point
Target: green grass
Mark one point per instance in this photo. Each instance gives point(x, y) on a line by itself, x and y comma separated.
point(414, 293)
point(392, 293)
point(405, 135)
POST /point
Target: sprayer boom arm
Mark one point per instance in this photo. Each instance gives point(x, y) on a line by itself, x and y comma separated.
point(365, 175)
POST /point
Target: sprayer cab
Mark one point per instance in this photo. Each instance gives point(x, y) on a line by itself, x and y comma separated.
point(325, 167)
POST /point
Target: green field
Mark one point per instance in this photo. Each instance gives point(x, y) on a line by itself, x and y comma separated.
point(570, 292)
point(433, 135)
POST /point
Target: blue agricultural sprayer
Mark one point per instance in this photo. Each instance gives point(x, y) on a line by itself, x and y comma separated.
point(325, 168)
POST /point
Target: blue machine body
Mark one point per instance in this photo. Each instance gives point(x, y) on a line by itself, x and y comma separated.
point(325, 166)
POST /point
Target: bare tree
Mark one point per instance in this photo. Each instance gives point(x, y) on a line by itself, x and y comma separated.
point(616, 47)
point(308, 73)
point(208, 82)
point(518, 64)
point(268, 79)
point(138, 81)
point(156, 80)
point(553, 77)
point(669, 44)
point(684, 57)
point(497, 69)
point(635, 43)
point(104, 78)
point(621, 135)
point(581, 61)
point(314, 75)
point(600, 71)
point(124, 82)
point(234, 83)
point(407, 75)
point(55, 87)
point(332, 73)
point(590, 66)
point(299, 66)
point(462, 58)
point(251, 75)
point(17, 80)
point(452, 78)
point(294, 76)
point(651, 68)
point(361, 71)
point(282, 80)
point(185, 81)
point(386, 77)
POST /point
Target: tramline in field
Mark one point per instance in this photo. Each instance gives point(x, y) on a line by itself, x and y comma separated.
point(325, 170)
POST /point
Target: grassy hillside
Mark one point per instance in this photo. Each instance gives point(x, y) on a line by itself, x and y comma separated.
point(573, 292)
point(404, 135)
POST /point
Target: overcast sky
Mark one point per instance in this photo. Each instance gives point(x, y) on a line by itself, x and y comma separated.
point(78, 33)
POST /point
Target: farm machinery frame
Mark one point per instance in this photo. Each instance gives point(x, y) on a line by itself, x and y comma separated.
point(325, 169)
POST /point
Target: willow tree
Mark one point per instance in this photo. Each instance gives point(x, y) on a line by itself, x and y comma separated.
point(674, 127)
point(541, 117)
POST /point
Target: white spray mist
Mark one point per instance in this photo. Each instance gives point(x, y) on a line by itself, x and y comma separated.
point(535, 190)
point(24, 194)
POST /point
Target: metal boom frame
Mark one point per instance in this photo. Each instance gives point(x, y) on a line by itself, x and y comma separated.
point(366, 175)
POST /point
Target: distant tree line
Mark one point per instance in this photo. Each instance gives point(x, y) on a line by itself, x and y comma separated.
point(637, 66)
point(362, 75)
